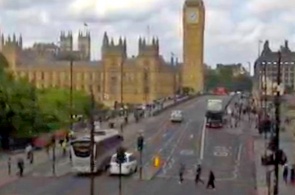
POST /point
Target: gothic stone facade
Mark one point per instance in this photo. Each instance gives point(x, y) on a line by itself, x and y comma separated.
point(144, 78)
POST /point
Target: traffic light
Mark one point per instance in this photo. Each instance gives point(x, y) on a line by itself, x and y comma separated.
point(140, 141)
point(121, 156)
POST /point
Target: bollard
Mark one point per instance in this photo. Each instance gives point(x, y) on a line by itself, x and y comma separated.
point(157, 162)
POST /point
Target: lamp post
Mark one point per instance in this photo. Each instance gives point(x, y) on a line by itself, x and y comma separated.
point(92, 141)
point(71, 93)
point(277, 134)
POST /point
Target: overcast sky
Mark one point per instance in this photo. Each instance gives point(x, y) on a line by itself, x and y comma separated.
point(233, 27)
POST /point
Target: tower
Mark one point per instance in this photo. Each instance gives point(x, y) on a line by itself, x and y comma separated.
point(193, 45)
point(84, 46)
point(113, 58)
point(66, 41)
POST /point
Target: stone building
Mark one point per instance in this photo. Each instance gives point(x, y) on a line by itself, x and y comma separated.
point(266, 67)
point(236, 69)
point(116, 77)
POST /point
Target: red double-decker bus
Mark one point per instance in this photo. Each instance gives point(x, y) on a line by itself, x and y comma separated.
point(220, 91)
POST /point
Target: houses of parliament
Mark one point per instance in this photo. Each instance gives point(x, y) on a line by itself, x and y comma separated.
point(116, 77)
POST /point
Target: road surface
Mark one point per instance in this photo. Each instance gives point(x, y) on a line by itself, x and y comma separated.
point(225, 151)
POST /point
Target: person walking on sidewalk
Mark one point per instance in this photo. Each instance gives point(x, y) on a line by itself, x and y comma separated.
point(181, 172)
point(198, 175)
point(64, 147)
point(20, 166)
point(285, 173)
point(292, 174)
point(29, 153)
point(211, 180)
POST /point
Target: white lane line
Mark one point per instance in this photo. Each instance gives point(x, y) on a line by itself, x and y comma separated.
point(203, 140)
point(239, 153)
point(178, 141)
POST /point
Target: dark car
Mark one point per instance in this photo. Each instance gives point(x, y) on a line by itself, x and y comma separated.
point(214, 119)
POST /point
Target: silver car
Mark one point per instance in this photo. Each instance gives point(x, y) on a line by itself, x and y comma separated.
point(176, 116)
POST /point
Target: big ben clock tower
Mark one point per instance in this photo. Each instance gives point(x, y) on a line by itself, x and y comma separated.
point(193, 45)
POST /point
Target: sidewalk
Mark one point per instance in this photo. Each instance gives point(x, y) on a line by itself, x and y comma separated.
point(287, 144)
point(40, 158)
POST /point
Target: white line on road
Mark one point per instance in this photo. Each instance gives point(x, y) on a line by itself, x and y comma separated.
point(178, 141)
point(203, 140)
point(239, 153)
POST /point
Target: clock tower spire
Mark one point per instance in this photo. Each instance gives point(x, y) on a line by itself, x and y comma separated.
point(193, 45)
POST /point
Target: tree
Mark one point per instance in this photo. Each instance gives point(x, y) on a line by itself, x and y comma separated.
point(55, 106)
point(27, 111)
point(242, 83)
point(211, 79)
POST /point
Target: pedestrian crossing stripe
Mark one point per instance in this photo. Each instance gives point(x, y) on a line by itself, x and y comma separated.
point(192, 178)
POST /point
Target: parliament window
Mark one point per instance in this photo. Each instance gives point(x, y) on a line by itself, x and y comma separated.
point(42, 75)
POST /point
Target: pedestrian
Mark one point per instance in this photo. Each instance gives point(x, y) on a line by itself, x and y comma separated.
point(181, 172)
point(211, 180)
point(198, 175)
point(31, 158)
point(9, 165)
point(285, 173)
point(292, 174)
point(47, 147)
point(21, 166)
point(28, 151)
point(64, 148)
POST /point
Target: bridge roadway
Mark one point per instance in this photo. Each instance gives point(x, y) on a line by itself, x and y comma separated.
point(227, 152)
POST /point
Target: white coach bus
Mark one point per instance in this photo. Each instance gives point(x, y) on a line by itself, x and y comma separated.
point(106, 143)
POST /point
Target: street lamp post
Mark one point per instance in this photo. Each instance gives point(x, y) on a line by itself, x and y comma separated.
point(92, 142)
point(277, 135)
point(121, 92)
point(71, 93)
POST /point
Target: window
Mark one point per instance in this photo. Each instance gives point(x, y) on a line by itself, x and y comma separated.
point(113, 78)
point(132, 158)
point(42, 75)
point(98, 88)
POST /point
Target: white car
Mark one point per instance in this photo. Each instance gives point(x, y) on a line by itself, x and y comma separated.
point(176, 116)
point(128, 167)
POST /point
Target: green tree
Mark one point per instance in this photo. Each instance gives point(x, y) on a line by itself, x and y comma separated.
point(26, 111)
point(211, 79)
point(242, 83)
point(55, 106)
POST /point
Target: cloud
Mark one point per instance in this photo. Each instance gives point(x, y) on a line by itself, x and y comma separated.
point(233, 27)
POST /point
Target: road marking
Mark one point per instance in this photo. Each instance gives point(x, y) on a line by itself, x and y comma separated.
point(187, 152)
point(203, 140)
point(239, 153)
point(192, 178)
point(192, 136)
point(179, 140)
point(221, 151)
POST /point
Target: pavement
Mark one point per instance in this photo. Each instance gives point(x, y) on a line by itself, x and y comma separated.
point(287, 144)
point(225, 151)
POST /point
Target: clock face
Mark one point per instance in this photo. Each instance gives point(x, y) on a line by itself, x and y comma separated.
point(193, 16)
